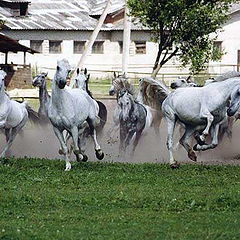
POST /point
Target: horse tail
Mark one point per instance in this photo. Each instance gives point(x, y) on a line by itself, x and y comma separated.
point(32, 115)
point(102, 114)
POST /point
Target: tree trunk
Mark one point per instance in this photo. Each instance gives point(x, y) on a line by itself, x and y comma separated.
point(91, 41)
point(126, 40)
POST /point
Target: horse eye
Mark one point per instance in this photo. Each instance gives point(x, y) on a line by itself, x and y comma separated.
point(183, 81)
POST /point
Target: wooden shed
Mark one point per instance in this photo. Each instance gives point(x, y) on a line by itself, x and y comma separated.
point(18, 75)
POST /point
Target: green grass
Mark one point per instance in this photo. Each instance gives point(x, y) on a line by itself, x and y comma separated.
point(38, 200)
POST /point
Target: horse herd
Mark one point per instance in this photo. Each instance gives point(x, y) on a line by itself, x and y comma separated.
point(74, 114)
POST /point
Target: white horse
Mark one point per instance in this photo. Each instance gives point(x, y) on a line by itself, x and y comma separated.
point(44, 97)
point(200, 109)
point(13, 115)
point(183, 82)
point(68, 110)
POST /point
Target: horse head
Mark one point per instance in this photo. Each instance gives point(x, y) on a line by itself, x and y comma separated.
point(234, 102)
point(62, 72)
point(2, 76)
point(39, 80)
point(119, 82)
point(125, 102)
point(183, 82)
point(81, 79)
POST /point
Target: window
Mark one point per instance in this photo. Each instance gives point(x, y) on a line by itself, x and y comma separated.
point(218, 45)
point(97, 47)
point(55, 46)
point(36, 45)
point(140, 47)
point(78, 47)
point(120, 43)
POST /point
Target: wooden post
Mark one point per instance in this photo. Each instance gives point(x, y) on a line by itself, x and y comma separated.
point(24, 58)
point(91, 41)
point(6, 57)
point(126, 40)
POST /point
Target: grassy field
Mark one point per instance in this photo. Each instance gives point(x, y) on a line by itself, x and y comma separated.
point(38, 200)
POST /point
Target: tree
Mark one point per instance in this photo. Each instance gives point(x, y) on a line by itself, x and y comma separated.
point(182, 28)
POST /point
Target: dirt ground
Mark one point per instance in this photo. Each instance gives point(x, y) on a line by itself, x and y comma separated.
point(40, 142)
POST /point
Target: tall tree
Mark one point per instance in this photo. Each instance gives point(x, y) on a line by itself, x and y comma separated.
point(182, 28)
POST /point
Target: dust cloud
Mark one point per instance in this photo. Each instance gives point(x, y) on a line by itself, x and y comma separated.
point(41, 142)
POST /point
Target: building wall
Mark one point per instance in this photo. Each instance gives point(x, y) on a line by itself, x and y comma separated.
point(111, 60)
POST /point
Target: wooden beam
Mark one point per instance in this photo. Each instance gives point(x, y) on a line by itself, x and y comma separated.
point(24, 58)
point(126, 40)
point(91, 41)
point(6, 57)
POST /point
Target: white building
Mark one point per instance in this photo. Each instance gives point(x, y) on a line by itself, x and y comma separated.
point(60, 29)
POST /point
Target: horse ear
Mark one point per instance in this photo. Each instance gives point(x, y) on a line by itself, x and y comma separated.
point(124, 75)
point(114, 74)
point(88, 77)
point(78, 71)
point(188, 79)
point(45, 75)
point(85, 71)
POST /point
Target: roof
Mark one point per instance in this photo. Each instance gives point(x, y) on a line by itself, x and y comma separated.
point(61, 15)
point(10, 45)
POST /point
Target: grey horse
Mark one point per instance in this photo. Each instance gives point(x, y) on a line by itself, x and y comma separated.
point(44, 97)
point(13, 115)
point(135, 119)
point(200, 109)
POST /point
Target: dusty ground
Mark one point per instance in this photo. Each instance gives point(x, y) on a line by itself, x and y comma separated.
point(41, 142)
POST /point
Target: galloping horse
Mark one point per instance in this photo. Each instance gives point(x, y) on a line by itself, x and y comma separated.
point(44, 97)
point(152, 93)
point(200, 109)
point(119, 83)
point(13, 115)
point(82, 81)
point(68, 110)
point(135, 119)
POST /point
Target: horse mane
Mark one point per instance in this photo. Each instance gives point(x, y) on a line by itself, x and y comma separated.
point(227, 75)
point(121, 83)
point(87, 89)
point(153, 92)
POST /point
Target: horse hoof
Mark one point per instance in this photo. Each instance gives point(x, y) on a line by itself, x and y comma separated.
point(99, 154)
point(85, 158)
point(68, 167)
point(195, 147)
point(60, 151)
point(175, 165)
point(192, 155)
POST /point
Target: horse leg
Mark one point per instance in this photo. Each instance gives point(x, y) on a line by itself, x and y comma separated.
point(98, 150)
point(171, 122)
point(214, 143)
point(11, 134)
point(206, 114)
point(122, 145)
point(64, 148)
point(136, 140)
point(76, 143)
point(183, 141)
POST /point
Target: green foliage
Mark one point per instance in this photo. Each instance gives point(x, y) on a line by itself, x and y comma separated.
point(39, 200)
point(185, 23)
